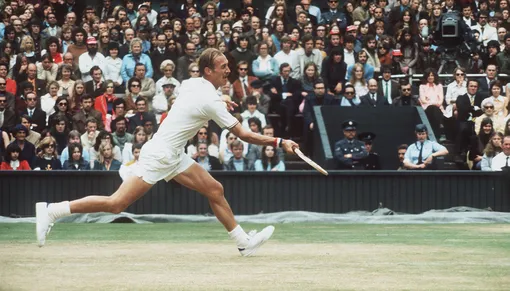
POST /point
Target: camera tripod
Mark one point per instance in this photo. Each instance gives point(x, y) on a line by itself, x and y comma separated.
point(446, 60)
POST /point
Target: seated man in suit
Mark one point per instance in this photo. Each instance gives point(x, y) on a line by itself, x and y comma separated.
point(285, 98)
point(372, 98)
point(141, 115)
point(37, 115)
point(484, 84)
point(95, 87)
point(31, 76)
point(406, 98)
point(387, 87)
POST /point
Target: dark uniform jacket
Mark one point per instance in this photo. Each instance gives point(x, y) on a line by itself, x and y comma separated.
point(354, 147)
point(371, 162)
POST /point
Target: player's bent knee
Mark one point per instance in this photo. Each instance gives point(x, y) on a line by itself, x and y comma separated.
point(116, 206)
point(216, 191)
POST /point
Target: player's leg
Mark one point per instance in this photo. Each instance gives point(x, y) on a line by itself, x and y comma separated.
point(198, 179)
point(129, 191)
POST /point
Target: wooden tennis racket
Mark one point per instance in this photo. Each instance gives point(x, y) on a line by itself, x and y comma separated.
point(310, 162)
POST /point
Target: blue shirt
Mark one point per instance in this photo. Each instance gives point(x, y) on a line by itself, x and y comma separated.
point(429, 147)
point(65, 155)
point(128, 66)
point(259, 167)
point(369, 72)
point(239, 164)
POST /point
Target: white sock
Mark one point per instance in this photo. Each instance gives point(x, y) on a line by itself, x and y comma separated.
point(240, 236)
point(58, 210)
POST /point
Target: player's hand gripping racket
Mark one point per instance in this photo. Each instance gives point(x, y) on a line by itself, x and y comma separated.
point(300, 154)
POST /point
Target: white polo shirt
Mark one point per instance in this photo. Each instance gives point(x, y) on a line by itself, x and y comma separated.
point(198, 103)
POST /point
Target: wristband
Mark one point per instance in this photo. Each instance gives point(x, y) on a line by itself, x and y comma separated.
point(278, 142)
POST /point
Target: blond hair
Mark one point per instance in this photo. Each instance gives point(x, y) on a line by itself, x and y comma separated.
point(207, 58)
point(45, 142)
point(100, 156)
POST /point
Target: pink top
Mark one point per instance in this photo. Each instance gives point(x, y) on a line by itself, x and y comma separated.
point(431, 95)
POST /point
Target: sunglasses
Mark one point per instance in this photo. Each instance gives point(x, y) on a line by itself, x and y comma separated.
point(489, 107)
point(62, 104)
point(460, 74)
point(2, 84)
point(349, 93)
point(243, 69)
point(406, 90)
point(135, 86)
point(3, 101)
point(31, 99)
point(109, 87)
point(50, 146)
point(202, 133)
point(195, 71)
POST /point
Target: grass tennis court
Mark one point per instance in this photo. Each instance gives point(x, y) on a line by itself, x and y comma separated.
point(185, 256)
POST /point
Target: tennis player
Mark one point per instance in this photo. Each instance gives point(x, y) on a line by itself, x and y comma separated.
point(163, 157)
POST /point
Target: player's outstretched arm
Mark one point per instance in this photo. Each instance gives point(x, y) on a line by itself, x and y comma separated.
point(250, 137)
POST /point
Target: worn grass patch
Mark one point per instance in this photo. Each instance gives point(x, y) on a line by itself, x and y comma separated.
point(199, 256)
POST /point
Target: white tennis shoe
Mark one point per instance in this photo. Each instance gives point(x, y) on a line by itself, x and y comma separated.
point(43, 222)
point(256, 240)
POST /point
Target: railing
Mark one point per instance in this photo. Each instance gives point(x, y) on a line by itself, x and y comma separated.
point(255, 192)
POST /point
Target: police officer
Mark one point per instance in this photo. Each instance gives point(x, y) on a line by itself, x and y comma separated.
point(372, 161)
point(349, 151)
point(420, 154)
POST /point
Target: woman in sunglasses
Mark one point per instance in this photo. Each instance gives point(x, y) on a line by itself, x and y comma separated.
point(61, 108)
point(47, 158)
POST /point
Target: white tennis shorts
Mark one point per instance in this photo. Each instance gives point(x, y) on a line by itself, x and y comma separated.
point(157, 163)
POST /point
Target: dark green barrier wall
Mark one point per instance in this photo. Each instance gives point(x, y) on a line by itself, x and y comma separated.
point(251, 193)
point(392, 125)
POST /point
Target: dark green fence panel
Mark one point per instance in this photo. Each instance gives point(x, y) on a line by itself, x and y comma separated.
point(256, 192)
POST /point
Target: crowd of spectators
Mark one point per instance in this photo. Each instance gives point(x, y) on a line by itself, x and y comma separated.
point(83, 87)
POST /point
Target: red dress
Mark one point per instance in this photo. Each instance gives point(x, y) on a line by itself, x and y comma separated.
point(23, 165)
point(101, 104)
